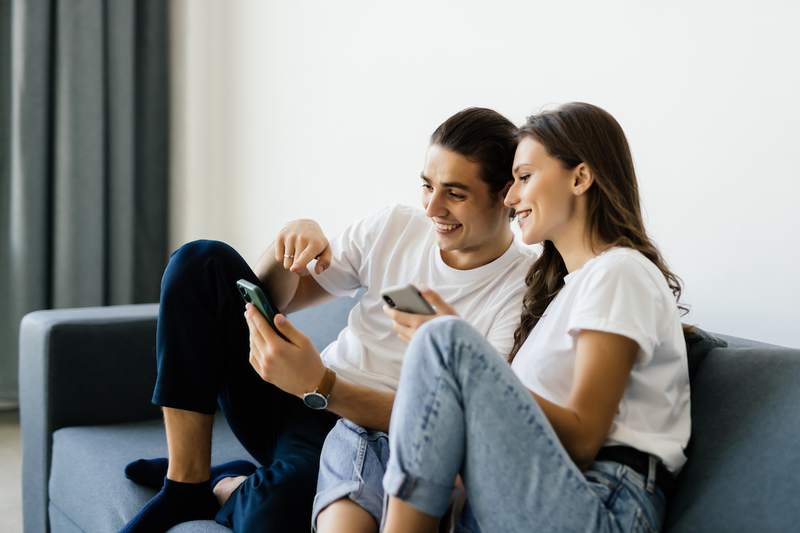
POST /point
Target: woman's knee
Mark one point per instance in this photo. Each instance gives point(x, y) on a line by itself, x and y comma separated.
point(442, 329)
point(442, 336)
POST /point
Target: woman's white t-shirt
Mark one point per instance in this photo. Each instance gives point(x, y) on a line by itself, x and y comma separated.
point(619, 291)
point(398, 245)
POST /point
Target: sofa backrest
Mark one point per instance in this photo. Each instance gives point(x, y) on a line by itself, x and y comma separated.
point(322, 323)
point(743, 472)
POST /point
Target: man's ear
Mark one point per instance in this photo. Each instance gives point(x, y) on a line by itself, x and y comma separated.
point(582, 179)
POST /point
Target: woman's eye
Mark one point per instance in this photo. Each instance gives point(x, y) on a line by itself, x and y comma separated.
point(524, 178)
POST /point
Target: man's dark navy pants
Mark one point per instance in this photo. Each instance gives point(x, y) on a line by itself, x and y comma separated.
point(202, 357)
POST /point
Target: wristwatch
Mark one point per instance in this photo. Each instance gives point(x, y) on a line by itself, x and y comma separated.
point(318, 399)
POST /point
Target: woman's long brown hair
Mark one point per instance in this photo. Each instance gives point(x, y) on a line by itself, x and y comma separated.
point(578, 133)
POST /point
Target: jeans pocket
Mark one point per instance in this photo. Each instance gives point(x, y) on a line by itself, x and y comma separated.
point(604, 482)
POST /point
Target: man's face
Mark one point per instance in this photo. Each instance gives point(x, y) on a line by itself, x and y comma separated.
point(467, 217)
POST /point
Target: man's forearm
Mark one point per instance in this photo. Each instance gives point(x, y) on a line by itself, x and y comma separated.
point(365, 406)
point(279, 282)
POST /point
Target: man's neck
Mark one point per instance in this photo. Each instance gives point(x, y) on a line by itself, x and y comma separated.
point(469, 259)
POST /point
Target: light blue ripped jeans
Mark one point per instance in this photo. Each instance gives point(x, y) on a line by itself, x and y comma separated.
point(461, 409)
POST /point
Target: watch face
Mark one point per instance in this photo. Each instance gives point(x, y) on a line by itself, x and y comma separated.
point(315, 400)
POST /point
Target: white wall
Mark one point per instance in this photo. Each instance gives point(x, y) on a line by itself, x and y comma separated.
point(323, 110)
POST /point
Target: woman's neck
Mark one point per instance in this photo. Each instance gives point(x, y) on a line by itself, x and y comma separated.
point(576, 247)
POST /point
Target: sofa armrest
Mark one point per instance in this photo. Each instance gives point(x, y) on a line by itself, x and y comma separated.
point(86, 366)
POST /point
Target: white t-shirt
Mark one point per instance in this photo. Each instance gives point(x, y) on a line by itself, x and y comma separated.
point(396, 246)
point(619, 291)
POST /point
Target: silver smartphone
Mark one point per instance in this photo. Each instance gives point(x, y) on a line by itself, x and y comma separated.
point(408, 299)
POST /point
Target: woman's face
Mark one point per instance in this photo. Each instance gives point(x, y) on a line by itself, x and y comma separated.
point(542, 194)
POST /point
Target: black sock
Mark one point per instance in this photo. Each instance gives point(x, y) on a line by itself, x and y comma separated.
point(151, 472)
point(175, 503)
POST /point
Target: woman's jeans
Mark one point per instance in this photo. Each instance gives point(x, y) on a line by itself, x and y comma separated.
point(202, 351)
point(461, 409)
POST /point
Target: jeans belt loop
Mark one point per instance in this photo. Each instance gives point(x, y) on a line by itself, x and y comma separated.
point(651, 474)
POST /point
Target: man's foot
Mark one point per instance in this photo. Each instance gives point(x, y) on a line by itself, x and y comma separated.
point(151, 472)
point(175, 503)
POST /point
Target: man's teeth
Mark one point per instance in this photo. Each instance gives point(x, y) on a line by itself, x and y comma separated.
point(446, 227)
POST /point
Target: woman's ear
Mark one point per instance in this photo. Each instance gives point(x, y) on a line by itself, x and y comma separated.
point(582, 179)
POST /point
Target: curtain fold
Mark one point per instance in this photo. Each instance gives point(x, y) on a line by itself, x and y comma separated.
point(83, 200)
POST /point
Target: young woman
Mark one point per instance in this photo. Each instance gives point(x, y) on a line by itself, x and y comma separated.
point(586, 428)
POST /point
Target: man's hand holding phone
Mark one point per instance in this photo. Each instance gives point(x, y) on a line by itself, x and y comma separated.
point(279, 352)
point(409, 313)
point(298, 243)
point(293, 365)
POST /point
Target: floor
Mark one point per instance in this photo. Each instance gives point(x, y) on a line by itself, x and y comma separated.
point(10, 473)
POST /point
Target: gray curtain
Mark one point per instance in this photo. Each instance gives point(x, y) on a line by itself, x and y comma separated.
point(84, 155)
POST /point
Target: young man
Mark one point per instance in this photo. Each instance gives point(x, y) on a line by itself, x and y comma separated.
point(281, 398)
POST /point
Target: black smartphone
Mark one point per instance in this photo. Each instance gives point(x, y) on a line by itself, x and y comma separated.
point(408, 299)
point(252, 293)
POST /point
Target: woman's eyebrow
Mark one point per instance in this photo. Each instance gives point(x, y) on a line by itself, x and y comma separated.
point(516, 168)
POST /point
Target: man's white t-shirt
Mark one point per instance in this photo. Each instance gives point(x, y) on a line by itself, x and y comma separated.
point(619, 291)
point(398, 245)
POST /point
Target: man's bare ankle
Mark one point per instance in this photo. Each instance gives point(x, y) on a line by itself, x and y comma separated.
point(192, 475)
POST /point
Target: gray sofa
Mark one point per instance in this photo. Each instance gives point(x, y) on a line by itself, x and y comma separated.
point(86, 377)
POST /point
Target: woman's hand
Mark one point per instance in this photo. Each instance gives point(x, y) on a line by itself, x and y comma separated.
point(298, 243)
point(406, 324)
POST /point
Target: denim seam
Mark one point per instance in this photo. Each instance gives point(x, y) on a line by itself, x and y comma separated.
point(619, 482)
point(424, 423)
point(358, 465)
point(431, 402)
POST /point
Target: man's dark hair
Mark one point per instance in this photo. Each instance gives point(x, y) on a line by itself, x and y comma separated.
point(485, 137)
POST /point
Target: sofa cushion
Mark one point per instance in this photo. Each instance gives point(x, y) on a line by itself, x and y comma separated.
point(88, 487)
point(743, 460)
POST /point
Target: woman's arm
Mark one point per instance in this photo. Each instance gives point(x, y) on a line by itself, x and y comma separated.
point(602, 367)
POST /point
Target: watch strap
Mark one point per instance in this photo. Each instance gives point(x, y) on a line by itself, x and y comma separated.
point(326, 385)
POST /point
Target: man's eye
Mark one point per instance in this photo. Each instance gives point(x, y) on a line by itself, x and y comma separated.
point(456, 196)
point(427, 187)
